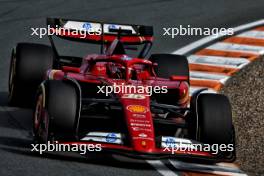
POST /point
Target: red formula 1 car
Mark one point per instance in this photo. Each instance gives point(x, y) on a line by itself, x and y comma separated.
point(138, 106)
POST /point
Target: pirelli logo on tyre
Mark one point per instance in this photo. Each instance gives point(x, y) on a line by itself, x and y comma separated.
point(137, 108)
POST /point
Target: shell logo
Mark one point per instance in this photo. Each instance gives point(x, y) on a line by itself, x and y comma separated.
point(137, 108)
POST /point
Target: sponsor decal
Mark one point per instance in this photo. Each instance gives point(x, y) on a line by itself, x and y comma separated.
point(103, 137)
point(139, 115)
point(174, 142)
point(134, 96)
point(87, 26)
point(108, 27)
point(137, 108)
point(140, 125)
point(143, 135)
point(170, 142)
point(126, 58)
point(141, 129)
point(146, 138)
point(139, 121)
point(112, 26)
point(111, 137)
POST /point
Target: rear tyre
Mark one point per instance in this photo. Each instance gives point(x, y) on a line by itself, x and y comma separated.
point(29, 63)
point(172, 65)
point(169, 64)
point(56, 113)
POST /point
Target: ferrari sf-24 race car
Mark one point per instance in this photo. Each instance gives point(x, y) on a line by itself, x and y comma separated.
point(68, 108)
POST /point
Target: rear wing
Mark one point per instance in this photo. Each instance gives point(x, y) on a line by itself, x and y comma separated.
point(98, 32)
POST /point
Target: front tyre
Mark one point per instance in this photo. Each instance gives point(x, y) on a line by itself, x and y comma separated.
point(210, 122)
point(214, 119)
point(56, 112)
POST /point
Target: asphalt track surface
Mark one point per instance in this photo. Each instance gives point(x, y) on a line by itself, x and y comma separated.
point(16, 19)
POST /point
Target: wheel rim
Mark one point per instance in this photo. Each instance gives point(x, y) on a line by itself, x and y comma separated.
point(11, 77)
point(41, 121)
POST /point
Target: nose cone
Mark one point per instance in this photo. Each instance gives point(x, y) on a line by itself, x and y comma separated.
point(139, 123)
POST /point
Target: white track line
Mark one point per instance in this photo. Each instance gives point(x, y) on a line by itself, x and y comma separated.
point(237, 47)
point(212, 169)
point(229, 62)
point(252, 34)
point(194, 75)
point(208, 39)
point(161, 168)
